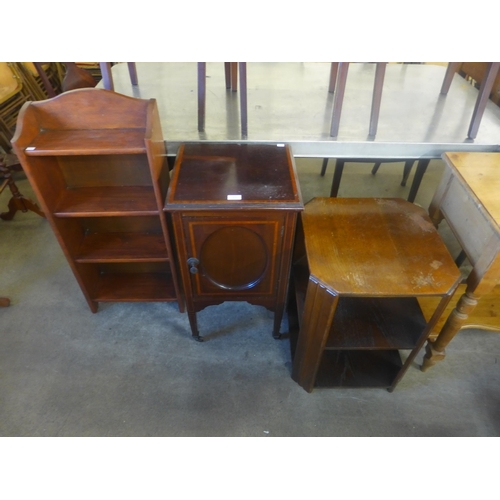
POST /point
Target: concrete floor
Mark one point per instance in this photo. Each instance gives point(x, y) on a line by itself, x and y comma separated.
point(134, 370)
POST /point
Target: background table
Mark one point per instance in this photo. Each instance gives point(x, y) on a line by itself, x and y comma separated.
point(468, 198)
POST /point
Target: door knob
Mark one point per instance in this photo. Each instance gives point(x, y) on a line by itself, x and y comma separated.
point(192, 263)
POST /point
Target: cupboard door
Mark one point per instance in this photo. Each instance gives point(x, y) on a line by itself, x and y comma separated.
point(233, 256)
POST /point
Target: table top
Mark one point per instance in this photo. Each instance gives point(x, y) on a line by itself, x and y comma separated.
point(234, 175)
point(289, 102)
point(376, 247)
point(480, 174)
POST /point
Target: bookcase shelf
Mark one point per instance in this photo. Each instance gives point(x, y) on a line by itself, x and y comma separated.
point(97, 162)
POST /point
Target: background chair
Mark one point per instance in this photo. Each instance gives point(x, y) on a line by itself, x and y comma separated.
point(488, 81)
point(417, 179)
point(13, 94)
point(231, 77)
point(107, 76)
point(338, 79)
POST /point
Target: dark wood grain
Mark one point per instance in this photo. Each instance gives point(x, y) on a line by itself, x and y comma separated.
point(234, 249)
point(135, 287)
point(87, 142)
point(102, 201)
point(96, 161)
point(122, 247)
point(358, 272)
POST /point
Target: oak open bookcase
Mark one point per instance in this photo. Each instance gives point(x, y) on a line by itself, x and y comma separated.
point(96, 161)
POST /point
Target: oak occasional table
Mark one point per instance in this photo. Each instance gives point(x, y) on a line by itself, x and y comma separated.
point(360, 265)
point(468, 198)
point(234, 209)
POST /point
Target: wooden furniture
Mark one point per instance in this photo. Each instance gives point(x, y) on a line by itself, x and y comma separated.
point(231, 76)
point(338, 79)
point(339, 170)
point(107, 76)
point(234, 209)
point(8, 163)
point(97, 162)
point(13, 94)
point(468, 198)
point(359, 267)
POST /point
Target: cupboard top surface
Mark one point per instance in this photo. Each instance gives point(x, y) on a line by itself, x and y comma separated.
point(376, 247)
point(480, 174)
point(234, 175)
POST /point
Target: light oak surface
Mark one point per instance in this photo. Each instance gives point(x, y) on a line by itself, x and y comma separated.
point(468, 199)
point(360, 265)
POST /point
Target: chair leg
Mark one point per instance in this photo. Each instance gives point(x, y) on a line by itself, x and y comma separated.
point(460, 259)
point(243, 98)
point(482, 98)
point(323, 166)
point(337, 176)
point(377, 97)
point(227, 74)
point(334, 69)
point(132, 71)
point(448, 77)
point(339, 98)
point(107, 77)
point(45, 79)
point(202, 73)
point(375, 168)
point(234, 76)
point(406, 171)
point(421, 168)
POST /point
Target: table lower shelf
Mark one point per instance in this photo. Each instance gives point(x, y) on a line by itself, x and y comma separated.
point(345, 368)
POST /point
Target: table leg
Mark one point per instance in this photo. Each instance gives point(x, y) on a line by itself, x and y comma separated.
point(339, 98)
point(337, 176)
point(334, 68)
point(18, 201)
point(202, 75)
point(377, 97)
point(243, 98)
point(435, 351)
point(193, 323)
point(317, 318)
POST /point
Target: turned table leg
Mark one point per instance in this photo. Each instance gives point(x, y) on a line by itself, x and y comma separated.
point(18, 201)
point(435, 351)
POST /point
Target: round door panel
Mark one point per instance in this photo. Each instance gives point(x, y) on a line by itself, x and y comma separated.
point(234, 258)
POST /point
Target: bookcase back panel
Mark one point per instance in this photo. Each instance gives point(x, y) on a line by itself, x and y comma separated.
point(105, 170)
point(150, 225)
